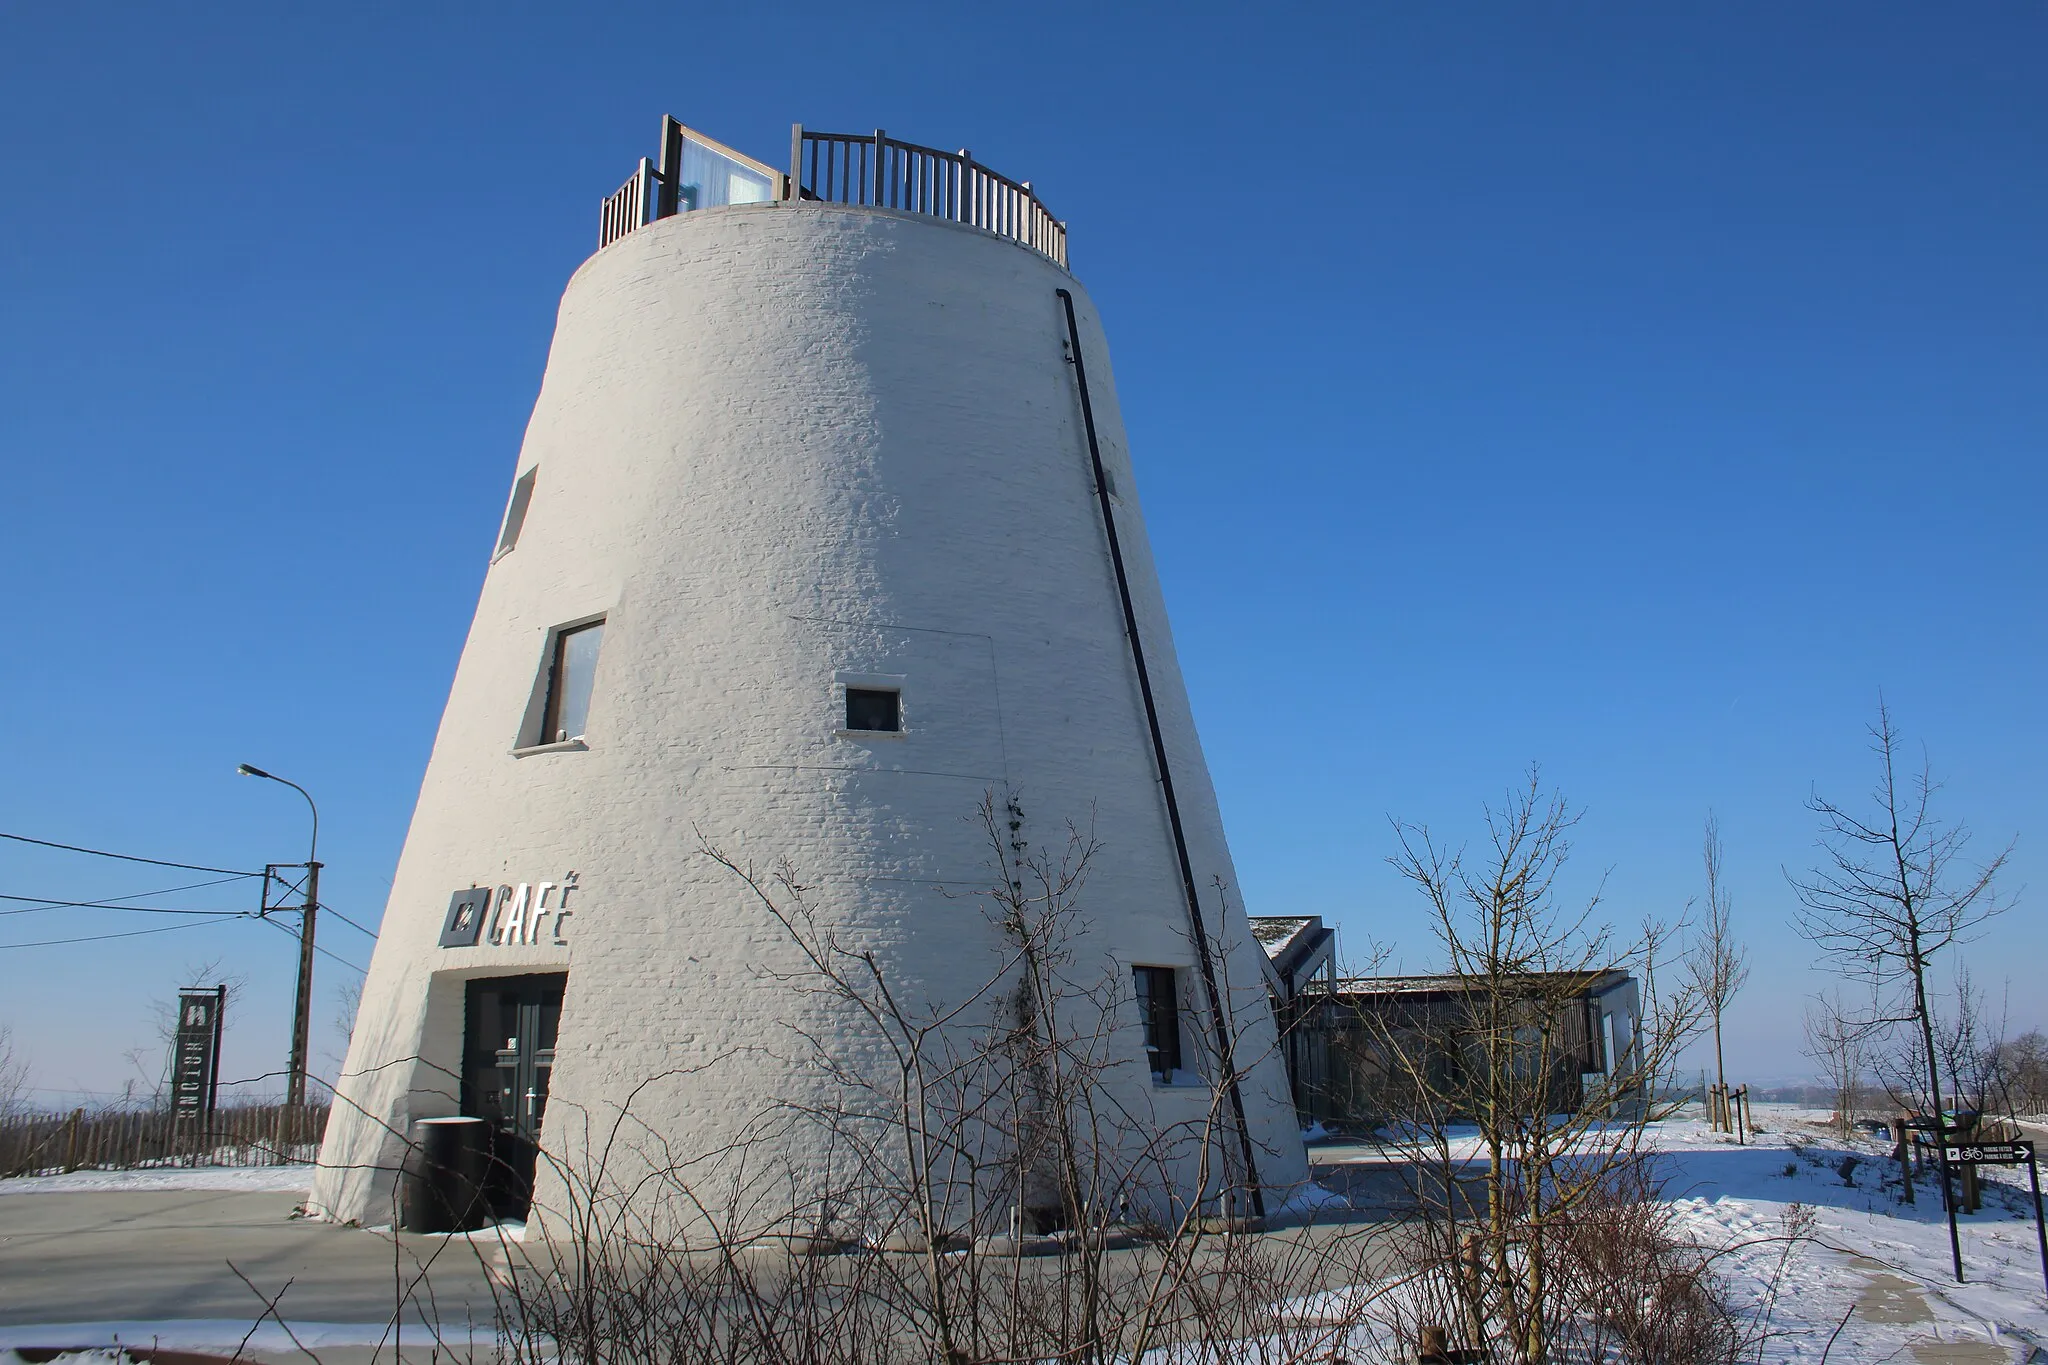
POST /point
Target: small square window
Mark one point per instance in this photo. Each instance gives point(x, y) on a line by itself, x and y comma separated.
point(874, 709)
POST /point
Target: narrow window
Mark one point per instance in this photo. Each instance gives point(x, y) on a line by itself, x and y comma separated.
point(1159, 1009)
point(570, 671)
point(515, 510)
point(874, 709)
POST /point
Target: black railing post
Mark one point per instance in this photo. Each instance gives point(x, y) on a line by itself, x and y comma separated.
point(667, 198)
point(881, 139)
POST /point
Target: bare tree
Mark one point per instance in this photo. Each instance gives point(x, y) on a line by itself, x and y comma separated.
point(13, 1076)
point(1970, 1042)
point(348, 1002)
point(1841, 1046)
point(152, 1062)
point(2023, 1072)
point(1528, 1258)
point(1718, 965)
point(1893, 893)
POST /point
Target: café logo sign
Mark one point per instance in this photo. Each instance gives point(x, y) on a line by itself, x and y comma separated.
point(509, 916)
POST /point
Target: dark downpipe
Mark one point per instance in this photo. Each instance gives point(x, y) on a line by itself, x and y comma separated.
point(1219, 1020)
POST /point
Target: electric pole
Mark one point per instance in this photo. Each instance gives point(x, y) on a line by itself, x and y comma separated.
point(302, 1012)
point(302, 1007)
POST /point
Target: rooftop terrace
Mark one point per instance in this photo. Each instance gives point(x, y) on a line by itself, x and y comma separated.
point(871, 169)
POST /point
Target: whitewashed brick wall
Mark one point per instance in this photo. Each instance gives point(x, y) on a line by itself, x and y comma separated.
point(777, 443)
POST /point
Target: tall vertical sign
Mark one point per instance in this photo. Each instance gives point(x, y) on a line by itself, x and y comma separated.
point(195, 1057)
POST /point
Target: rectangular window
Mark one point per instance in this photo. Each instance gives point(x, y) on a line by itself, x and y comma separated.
point(874, 709)
point(1159, 1010)
point(515, 510)
point(570, 673)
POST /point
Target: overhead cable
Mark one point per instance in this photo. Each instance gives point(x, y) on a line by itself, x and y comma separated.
point(98, 938)
point(128, 857)
point(293, 933)
point(328, 909)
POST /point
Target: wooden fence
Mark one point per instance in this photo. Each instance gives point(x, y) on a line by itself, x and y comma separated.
point(627, 207)
point(141, 1139)
point(881, 171)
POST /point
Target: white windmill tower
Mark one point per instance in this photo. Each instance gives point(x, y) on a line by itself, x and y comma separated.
point(823, 530)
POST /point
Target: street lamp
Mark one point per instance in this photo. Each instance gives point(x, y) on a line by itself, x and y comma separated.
point(302, 1013)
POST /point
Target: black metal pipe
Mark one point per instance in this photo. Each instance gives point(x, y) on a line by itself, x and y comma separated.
point(1219, 1017)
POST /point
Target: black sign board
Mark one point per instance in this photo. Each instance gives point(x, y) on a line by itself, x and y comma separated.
point(467, 911)
point(195, 1055)
point(1990, 1153)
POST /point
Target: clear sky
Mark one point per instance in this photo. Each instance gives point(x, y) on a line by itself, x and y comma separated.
point(1635, 390)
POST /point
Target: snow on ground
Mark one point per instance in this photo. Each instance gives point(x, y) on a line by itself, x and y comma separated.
point(1833, 1265)
point(1876, 1274)
point(1869, 1280)
point(244, 1179)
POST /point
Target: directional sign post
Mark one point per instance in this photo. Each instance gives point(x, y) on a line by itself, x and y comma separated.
point(2006, 1154)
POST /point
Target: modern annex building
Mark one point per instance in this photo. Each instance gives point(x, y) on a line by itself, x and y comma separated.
point(823, 532)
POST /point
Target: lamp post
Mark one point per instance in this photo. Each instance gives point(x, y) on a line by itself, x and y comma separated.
point(302, 1012)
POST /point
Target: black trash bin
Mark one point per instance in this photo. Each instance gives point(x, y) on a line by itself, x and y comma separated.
point(441, 1186)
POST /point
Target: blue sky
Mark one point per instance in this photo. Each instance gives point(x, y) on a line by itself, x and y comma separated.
point(1631, 390)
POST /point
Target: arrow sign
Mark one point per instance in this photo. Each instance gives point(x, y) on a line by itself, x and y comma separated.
point(1990, 1153)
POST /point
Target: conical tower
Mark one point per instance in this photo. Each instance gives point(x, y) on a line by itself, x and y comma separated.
point(823, 550)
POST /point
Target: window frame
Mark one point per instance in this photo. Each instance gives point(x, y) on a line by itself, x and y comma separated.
point(516, 508)
point(845, 681)
point(895, 695)
point(1159, 1018)
point(552, 691)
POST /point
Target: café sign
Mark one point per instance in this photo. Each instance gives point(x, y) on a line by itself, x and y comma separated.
point(524, 915)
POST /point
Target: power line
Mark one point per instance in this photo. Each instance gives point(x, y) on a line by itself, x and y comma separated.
point(293, 934)
point(100, 938)
point(43, 905)
point(128, 857)
point(346, 920)
point(115, 901)
point(37, 903)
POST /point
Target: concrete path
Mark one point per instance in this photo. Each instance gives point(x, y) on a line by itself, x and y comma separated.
point(164, 1256)
point(1891, 1299)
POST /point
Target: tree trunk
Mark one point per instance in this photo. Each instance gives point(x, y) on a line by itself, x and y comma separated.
point(1720, 1071)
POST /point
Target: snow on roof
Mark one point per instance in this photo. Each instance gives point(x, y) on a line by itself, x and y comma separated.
point(1276, 932)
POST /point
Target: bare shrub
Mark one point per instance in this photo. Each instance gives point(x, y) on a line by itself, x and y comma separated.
point(980, 1190)
point(1541, 1225)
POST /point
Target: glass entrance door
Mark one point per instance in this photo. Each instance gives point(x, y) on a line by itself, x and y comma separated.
point(509, 1028)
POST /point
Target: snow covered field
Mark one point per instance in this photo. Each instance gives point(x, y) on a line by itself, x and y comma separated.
point(1876, 1276)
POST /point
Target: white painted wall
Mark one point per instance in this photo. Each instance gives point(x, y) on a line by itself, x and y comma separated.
point(778, 443)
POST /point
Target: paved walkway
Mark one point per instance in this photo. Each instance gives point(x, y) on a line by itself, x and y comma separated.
point(141, 1257)
point(1893, 1300)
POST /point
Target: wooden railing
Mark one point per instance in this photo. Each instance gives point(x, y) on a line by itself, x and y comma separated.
point(883, 172)
point(628, 206)
point(871, 169)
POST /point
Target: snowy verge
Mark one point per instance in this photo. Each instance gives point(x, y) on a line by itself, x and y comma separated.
point(243, 1179)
